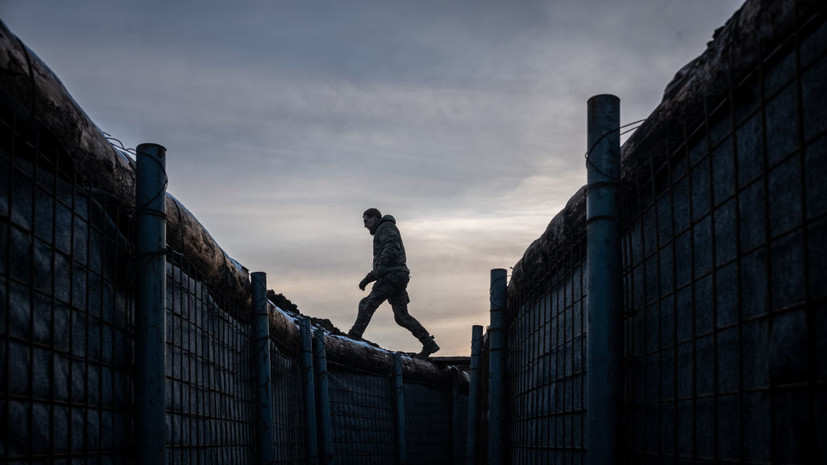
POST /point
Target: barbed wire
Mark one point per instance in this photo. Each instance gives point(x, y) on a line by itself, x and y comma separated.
point(635, 124)
point(113, 140)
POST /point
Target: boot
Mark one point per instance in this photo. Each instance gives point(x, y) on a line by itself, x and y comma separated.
point(428, 347)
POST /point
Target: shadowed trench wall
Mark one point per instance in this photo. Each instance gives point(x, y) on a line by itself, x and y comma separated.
point(723, 220)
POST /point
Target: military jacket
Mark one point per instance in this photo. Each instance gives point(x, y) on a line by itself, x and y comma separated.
point(388, 250)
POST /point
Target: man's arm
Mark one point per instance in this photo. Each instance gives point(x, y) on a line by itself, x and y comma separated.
point(369, 278)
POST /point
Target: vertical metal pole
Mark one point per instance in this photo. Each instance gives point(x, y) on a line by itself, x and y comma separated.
point(473, 395)
point(401, 440)
point(326, 424)
point(605, 292)
point(150, 304)
point(496, 373)
point(265, 430)
point(309, 392)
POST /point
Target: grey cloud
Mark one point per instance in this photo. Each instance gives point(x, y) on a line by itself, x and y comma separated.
point(285, 119)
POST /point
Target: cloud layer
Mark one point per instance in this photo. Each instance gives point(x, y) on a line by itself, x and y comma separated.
point(285, 120)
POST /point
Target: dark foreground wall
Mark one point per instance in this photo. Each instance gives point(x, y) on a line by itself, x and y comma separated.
point(724, 220)
point(68, 323)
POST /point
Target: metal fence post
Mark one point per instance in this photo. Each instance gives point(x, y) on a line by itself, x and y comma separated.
point(325, 420)
point(265, 432)
point(150, 304)
point(605, 299)
point(496, 376)
point(309, 392)
point(473, 395)
point(399, 388)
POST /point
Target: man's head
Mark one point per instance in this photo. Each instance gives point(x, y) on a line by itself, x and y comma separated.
point(371, 218)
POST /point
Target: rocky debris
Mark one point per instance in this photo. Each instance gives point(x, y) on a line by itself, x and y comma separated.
point(285, 304)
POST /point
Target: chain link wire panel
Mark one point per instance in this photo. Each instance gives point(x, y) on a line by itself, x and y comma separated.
point(364, 418)
point(433, 436)
point(724, 253)
point(547, 361)
point(289, 418)
point(210, 394)
point(363, 414)
point(428, 424)
point(66, 325)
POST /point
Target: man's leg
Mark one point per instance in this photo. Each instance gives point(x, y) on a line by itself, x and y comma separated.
point(399, 302)
point(368, 305)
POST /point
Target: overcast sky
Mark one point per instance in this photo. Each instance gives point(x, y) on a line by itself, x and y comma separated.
point(285, 120)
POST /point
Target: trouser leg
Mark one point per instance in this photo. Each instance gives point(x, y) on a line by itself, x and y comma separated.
point(393, 289)
point(367, 307)
point(399, 303)
point(405, 320)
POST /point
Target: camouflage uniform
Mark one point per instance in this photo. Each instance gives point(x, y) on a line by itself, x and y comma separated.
point(391, 275)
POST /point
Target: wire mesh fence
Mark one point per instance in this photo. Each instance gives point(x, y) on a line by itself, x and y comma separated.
point(209, 382)
point(722, 301)
point(367, 428)
point(434, 423)
point(547, 362)
point(66, 326)
point(723, 226)
point(288, 394)
point(362, 405)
